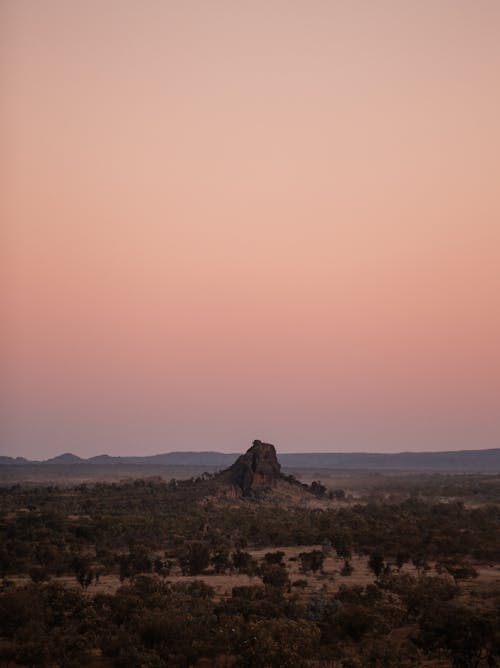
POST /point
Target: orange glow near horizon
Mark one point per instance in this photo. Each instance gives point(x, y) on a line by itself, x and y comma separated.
point(236, 220)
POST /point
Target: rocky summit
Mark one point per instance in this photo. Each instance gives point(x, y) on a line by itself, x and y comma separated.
point(257, 470)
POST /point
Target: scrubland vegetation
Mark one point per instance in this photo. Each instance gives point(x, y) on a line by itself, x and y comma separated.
point(385, 571)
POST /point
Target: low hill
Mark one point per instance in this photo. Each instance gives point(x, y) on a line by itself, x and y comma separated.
point(65, 459)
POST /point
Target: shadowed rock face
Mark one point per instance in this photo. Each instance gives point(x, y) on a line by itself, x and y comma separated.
point(256, 470)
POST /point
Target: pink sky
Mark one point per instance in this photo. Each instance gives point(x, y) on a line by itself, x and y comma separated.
point(245, 219)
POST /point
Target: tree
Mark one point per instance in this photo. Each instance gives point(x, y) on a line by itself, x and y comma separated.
point(83, 571)
point(402, 558)
point(220, 561)
point(85, 578)
point(376, 563)
point(279, 643)
point(318, 489)
point(274, 557)
point(195, 558)
point(468, 636)
point(420, 563)
point(243, 562)
point(459, 570)
point(311, 561)
point(342, 547)
point(39, 574)
point(347, 568)
point(326, 547)
point(274, 575)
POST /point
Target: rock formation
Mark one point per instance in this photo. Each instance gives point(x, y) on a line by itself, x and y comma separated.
point(257, 470)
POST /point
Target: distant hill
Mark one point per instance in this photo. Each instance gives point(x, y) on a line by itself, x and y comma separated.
point(453, 460)
point(170, 459)
point(16, 461)
point(66, 458)
point(445, 461)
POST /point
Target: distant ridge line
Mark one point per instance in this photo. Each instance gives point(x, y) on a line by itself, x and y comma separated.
point(487, 460)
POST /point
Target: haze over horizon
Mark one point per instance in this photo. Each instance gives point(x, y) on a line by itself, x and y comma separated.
point(236, 220)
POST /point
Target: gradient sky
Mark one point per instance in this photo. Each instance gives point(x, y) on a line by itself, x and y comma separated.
point(238, 219)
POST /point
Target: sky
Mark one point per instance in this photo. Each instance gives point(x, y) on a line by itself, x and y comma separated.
point(235, 219)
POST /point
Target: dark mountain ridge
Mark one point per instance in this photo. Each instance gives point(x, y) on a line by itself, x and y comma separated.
point(444, 461)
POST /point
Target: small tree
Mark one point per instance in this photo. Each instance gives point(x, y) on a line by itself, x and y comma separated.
point(402, 558)
point(311, 561)
point(318, 489)
point(274, 575)
point(242, 561)
point(420, 563)
point(459, 570)
point(220, 561)
point(82, 570)
point(376, 563)
point(347, 568)
point(39, 574)
point(326, 547)
point(195, 558)
point(279, 643)
point(342, 547)
point(274, 557)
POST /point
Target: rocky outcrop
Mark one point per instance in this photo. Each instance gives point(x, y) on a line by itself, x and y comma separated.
point(257, 470)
